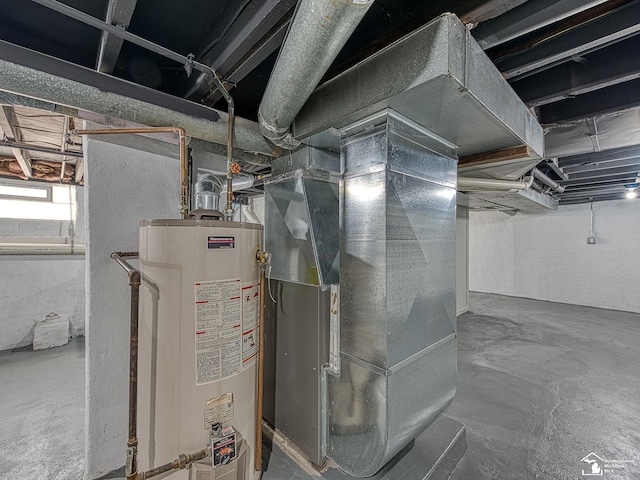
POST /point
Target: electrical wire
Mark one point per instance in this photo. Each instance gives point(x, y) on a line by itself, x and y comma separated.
point(269, 280)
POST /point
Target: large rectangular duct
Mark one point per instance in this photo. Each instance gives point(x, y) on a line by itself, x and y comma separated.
point(397, 291)
point(439, 77)
point(399, 119)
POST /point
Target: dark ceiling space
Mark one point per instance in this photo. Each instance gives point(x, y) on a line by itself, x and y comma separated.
point(570, 61)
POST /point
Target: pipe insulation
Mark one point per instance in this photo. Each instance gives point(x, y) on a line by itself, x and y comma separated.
point(484, 184)
point(317, 33)
point(549, 182)
point(42, 249)
point(29, 82)
point(240, 156)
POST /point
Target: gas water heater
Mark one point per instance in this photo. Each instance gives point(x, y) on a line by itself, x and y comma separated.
point(198, 346)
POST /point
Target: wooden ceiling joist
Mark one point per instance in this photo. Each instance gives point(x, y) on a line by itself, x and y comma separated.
point(9, 125)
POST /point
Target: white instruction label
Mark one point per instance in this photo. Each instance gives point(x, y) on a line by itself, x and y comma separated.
point(250, 342)
point(219, 410)
point(218, 333)
point(250, 305)
point(250, 331)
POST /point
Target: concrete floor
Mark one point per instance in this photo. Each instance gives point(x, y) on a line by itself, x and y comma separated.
point(541, 385)
point(42, 413)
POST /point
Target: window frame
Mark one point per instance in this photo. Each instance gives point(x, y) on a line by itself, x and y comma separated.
point(6, 182)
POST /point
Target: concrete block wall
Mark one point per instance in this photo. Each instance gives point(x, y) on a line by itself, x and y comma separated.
point(34, 285)
point(125, 183)
point(546, 256)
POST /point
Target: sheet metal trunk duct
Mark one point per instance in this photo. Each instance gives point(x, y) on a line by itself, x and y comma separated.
point(301, 217)
point(397, 291)
point(437, 76)
point(318, 32)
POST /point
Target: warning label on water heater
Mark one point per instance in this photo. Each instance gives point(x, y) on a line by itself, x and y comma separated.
point(250, 333)
point(218, 333)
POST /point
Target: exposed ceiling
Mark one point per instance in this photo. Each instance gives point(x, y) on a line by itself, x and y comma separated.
point(37, 145)
point(573, 62)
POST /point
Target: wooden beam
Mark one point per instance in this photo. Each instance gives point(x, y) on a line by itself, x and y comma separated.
point(24, 159)
point(497, 156)
point(79, 169)
point(9, 125)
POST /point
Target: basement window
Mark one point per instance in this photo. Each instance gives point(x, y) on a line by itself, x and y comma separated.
point(28, 192)
point(33, 201)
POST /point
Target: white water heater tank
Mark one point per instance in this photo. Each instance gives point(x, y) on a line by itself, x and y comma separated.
point(198, 337)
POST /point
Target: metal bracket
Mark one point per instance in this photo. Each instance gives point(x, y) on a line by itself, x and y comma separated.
point(188, 66)
point(130, 462)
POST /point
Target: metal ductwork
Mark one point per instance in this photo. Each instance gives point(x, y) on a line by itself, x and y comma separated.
point(317, 33)
point(399, 119)
point(301, 209)
point(397, 291)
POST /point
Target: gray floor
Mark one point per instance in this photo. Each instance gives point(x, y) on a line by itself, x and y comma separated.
point(541, 385)
point(42, 413)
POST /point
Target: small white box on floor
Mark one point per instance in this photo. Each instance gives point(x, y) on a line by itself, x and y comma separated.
point(53, 331)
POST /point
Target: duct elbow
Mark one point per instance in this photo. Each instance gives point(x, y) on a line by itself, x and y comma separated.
point(280, 137)
point(374, 413)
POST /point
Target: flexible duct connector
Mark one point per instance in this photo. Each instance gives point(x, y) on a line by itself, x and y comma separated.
point(317, 34)
point(549, 182)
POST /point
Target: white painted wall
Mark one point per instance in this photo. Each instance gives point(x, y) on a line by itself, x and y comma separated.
point(462, 260)
point(123, 186)
point(32, 286)
point(546, 256)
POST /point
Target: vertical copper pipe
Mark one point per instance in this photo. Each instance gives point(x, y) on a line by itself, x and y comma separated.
point(184, 187)
point(232, 116)
point(134, 282)
point(231, 124)
point(261, 259)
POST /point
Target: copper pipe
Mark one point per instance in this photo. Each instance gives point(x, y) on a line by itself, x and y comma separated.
point(184, 187)
point(134, 282)
point(230, 132)
point(261, 256)
point(183, 461)
point(232, 116)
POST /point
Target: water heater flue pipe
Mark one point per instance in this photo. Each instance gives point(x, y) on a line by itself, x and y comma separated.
point(184, 187)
